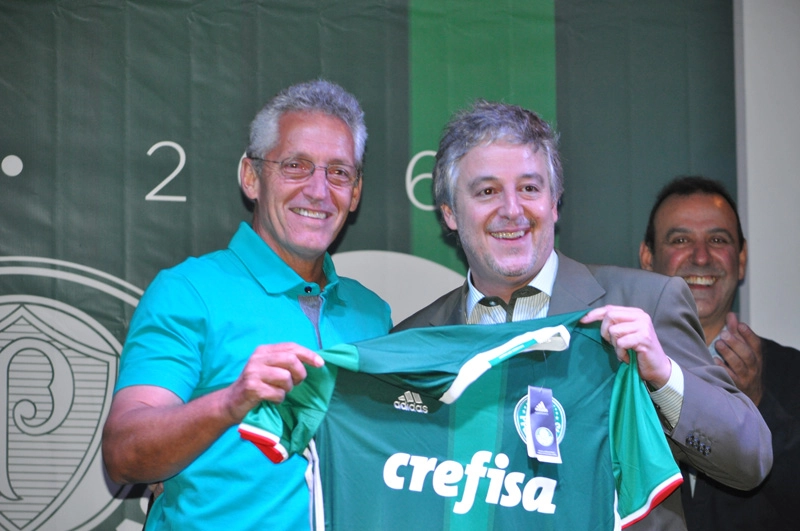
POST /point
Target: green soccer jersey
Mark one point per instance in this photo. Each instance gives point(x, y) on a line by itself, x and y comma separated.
point(280, 430)
point(395, 454)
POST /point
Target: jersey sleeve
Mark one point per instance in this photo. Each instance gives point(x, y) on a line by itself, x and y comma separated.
point(644, 469)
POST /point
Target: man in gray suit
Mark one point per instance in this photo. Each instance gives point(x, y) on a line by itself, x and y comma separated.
point(694, 232)
point(497, 182)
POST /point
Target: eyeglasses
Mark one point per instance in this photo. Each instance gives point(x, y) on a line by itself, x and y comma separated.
point(298, 170)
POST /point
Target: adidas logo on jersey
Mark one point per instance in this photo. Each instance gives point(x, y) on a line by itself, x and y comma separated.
point(409, 401)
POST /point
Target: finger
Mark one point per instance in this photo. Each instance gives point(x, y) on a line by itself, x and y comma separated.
point(738, 347)
point(279, 378)
point(597, 314)
point(731, 358)
point(299, 356)
point(731, 343)
point(731, 321)
point(311, 358)
point(749, 337)
point(741, 340)
point(724, 365)
point(609, 311)
point(622, 328)
point(273, 362)
point(286, 354)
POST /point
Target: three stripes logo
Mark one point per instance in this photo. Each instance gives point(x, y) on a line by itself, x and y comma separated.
point(540, 408)
point(410, 401)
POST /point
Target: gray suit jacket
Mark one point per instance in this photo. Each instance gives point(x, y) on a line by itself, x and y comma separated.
point(720, 431)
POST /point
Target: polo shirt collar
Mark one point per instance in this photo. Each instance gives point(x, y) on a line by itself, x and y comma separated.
point(269, 269)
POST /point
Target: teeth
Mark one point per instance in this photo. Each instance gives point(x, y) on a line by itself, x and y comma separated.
point(508, 235)
point(309, 213)
point(700, 281)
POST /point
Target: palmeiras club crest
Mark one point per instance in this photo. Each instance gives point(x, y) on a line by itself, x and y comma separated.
point(521, 418)
point(61, 330)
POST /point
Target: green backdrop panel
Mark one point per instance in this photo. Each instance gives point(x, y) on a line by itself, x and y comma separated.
point(460, 51)
point(122, 124)
point(645, 93)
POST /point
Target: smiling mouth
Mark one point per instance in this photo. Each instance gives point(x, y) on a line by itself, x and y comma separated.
point(309, 213)
point(506, 235)
point(700, 281)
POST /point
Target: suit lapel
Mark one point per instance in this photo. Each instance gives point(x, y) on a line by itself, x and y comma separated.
point(575, 287)
point(452, 311)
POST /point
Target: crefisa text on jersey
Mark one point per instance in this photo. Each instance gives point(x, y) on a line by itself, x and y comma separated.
point(505, 488)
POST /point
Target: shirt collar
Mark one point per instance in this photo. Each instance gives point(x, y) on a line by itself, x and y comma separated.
point(712, 349)
point(269, 269)
point(544, 281)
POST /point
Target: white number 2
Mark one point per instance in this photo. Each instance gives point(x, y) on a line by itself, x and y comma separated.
point(153, 194)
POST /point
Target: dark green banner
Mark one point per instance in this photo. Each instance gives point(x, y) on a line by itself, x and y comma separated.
point(122, 125)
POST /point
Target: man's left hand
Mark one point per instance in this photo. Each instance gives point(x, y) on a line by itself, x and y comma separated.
point(740, 348)
point(631, 328)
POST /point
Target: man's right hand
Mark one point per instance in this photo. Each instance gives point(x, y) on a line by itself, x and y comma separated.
point(271, 372)
point(151, 434)
point(632, 328)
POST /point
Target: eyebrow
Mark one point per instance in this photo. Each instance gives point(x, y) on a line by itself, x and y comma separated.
point(683, 230)
point(491, 178)
point(306, 156)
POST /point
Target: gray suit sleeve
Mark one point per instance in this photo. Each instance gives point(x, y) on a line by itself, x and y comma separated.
point(720, 431)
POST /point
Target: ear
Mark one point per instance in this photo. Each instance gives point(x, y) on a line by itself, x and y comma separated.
point(356, 197)
point(248, 179)
point(645, 257)
point(449, 217)
point(743, 261)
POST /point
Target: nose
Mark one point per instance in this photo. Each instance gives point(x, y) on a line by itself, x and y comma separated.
point(317, 184)
point(512, 206)
point(700, 254)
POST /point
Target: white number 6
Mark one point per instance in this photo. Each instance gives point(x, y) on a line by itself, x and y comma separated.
point(412, 182)
point(152, 195)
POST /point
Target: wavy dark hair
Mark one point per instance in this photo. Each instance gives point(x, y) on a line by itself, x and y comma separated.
point(685, 185)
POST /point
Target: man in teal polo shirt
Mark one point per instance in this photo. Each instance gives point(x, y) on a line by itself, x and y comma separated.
point(216, 335)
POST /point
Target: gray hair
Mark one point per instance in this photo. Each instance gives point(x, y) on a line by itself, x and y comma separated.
point(485, 123)
point(313, 96)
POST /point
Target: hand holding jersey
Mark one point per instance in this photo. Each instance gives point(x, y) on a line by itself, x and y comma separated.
point(632, 329)
point(270, 374)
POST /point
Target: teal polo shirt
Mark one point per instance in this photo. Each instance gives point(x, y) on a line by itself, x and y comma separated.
point(192, 333)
